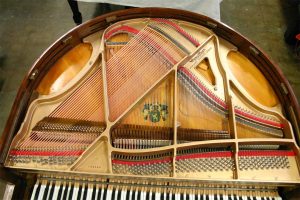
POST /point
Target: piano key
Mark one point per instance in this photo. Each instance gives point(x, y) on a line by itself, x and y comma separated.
point(153, 195)
point(46, 191)
point(104, 193)
point(117, 193)
point(89, 193)
point(51, 189)
point(158, 196)
point(70, 195)
point(36, 195)
point(76, 191)
point(98, 192)
point(51, 194)
point(34, 190)
point(55, 192)
point(161, 196)
point(65, 192)
point(138, 195)
point(84, 193)
point(61, 191)
point(130, 194)
point(108, 194)
point(79, 192)
point(113, 193)
point(127, 194)
point(42, 190)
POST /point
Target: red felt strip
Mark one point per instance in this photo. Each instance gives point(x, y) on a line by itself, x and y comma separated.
point(264, 121)
point(144, 162)
point(126, 29)
point(266, 153)
point(45, 153)
point(179, 29)
point(216, 154)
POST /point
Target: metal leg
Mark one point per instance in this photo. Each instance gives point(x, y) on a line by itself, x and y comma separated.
point(75, 10)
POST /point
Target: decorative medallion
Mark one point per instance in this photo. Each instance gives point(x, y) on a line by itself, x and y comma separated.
point(154, 112)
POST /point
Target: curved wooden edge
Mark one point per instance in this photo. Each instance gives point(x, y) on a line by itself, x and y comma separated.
point(74, 36)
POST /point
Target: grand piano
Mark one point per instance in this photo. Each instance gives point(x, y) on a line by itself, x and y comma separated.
point(153, 103)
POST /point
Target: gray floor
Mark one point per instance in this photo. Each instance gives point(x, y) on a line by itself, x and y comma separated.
point(27, 28)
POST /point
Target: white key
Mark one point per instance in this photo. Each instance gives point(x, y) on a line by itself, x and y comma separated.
point(34, 191)
point(177, 196)
point(116, 194)
point(102, 193)
point(68, 192)
point(170, 195)
point(42, 190)
point(55, 192)
point(97, 191)
point(144, 195)
point(89, 193)
point(136, 194)
point(50, 188)
point(108, 194)
point(258, 198)
point(225, 197)
point(75, 192)
point(150, 194)
point(184, 196)
point(123, 197)
point(130, 194)
point(157, 195)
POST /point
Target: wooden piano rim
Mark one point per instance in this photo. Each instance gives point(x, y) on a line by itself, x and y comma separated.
point(26, 92)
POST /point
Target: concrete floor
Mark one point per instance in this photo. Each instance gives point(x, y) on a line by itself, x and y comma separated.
point(27, 28)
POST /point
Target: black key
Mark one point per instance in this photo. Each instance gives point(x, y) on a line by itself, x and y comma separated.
point(52, 191)
point(66, 192)
point(207, 197)
point(181, 196)
point(229, 197)
point(147, 195)
point(235, 197)
point(254, 198)
point(139, 194)
point(119, 194)
point(105, 193)
point(94, 192)
point(71, 192)
point(173, 196)
point(201, 197)
point(262, 198)
point(268, 198)
point(153, 195)
point(248, 198)
point(215, 196)
point(221, 196)
point(46, 191)
point(85, 191)
point(133, 194)
point(240, 198)
point(36, 195)
point(162, 196)
point(79, 192)
point(112, 193)
point(187, 196)
point(127, 195)
point(60, 191)
point(196, 196)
